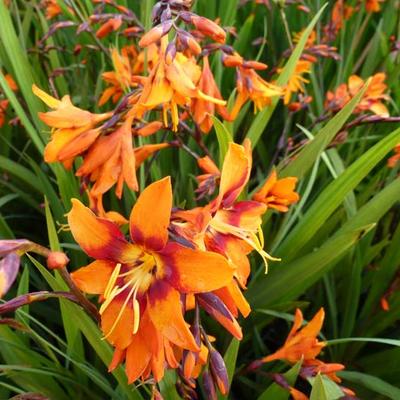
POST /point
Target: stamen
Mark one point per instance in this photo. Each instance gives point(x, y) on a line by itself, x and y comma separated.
point(112, 280)
point(136, 314)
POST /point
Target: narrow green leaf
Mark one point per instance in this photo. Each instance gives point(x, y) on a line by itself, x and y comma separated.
point(373, 383)
point(224, 138)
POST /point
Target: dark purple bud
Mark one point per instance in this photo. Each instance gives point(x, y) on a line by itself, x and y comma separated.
point(281, 381)
point(208, 386)
point(186, 17)
point(211, 302)
point(219, 372)
point(84, 27)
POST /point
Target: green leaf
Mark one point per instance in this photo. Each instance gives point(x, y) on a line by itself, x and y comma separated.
point(331, 198)
point(325, 389)
point(373, 383)
point(310, 153)
point(391, 342)
point(286, 282)
point(261, 121)
point(224, 138)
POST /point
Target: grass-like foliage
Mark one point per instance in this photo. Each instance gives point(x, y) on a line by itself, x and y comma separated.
point(199, 199)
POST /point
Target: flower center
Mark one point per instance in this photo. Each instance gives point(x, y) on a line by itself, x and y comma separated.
point(137, 279)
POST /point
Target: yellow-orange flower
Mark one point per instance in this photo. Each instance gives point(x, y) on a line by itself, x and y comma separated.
point(172, 83)
point(297, 80)
point(278, 193)
point(202, 109)
point(372, 99)
point(73, 130)
point(141, 282)
point(373, 5)
point(251, 86)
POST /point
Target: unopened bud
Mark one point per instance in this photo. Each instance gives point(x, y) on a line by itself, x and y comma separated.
point(57, 260)
point(209, 28)
point(208, 386)
point(155, 34)
point(219, 372)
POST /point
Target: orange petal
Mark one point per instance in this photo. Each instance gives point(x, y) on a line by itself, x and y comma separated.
point(166, 314)
point(94, 277)
point(195, 271)
point(137, 358)
point(119, 334)
point(150, 215)
point(235, 173)
point(98, 237)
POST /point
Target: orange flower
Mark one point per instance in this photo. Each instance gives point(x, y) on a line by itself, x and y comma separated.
point(141, 282)
point(73, 129)
point(3, 110)
point(340, 13)
point(297, 80)
point(121, 79)
point(202, 109)
point(52, 8)
point(231, 228)
point(301, 343)
point(251, 86)
point(372, 99)
point(392, 162)
point(278, 194)
point(171, 83)
point(373, 5)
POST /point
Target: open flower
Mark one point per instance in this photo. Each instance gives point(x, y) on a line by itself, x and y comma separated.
point(297, 80)
point(278, 193)
point(203, 110)
point(141, 282)
point(70, 126)
point(251, 86)
point(231, 228)
point(373, 5)
point(172, 83)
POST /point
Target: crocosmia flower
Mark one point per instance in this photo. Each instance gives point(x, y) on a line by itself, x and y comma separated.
point(142, 282)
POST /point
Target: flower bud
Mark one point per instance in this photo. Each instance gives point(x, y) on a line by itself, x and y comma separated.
point(208, 386)
point(57, 260)
point(219, 372)
point(155, 34)
point(209, 28)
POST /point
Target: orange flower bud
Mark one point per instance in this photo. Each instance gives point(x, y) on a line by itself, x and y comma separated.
point(111, 25)
point(255, 65)
point(57, 260)
point(233, 61)
point(155, 34)
point(150, 128)
point(209, 28)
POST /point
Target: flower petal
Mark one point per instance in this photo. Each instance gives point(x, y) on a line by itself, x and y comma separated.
point(235, 173)
point(150, 215)
point(118, 334)
point(137, 358)
point(165, 311)
point(94, 277)
point(98, 237)
point(195, 271)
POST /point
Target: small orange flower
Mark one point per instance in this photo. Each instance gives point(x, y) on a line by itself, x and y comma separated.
point(251, 86)
point(340, 13)
point(373, 5)
point(278, 194)
point(141, 281)
point(52, 8)
point(302, 342)
point(203, 110)
point(392, 162)
point(171, 83)
point(297, 81)
point(372, 99)
point(3, 109)
point(73, 130)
